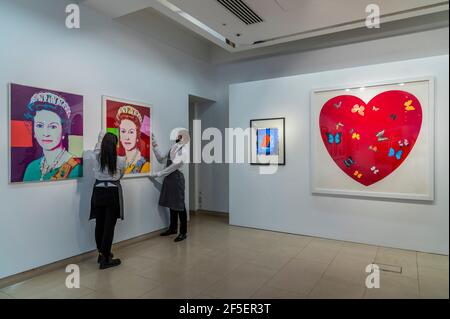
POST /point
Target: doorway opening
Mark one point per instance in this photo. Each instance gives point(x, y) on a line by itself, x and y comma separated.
point(198, 106)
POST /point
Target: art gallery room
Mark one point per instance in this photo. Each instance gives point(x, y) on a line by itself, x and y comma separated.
point(224, 149)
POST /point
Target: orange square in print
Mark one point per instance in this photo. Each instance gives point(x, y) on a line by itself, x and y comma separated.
point(21, 134)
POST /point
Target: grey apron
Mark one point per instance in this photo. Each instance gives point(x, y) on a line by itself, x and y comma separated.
point(172, 191)
point(120, 210)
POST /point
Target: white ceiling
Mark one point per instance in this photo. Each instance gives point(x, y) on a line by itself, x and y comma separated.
point(118, 8)
point(284, 20)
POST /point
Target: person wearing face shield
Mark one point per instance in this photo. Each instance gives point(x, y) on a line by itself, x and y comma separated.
point(173, 187)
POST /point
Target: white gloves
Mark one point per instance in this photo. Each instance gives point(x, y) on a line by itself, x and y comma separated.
point(154, 175)
point(154, 142)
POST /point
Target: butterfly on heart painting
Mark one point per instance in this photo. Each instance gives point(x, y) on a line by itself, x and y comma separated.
point(403, 143)
point(373, 148)
point(375, 170)
point(359, 109)
point(356, 136)
point(349, 162)
point(376, 109)
point(337, 105)
point(397, 154)
point(409, 106)
point(339, 125)
point(358, 174)
point(380, 136)
point(334, 139)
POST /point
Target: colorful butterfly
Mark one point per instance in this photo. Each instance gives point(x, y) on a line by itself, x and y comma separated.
point(380, 136)
point(398, 155)
point(405, 142)
point(339, 125)
point(358, 109)
point(356, 136)
point(373, 148)
point(409, 106)
point(376, 109)
point(338, 105)
point(394, 116)
point(334, 139)
point(375, 170)
point(358, 174)
point(349, 162)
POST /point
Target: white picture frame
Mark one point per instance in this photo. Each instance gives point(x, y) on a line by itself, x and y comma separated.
point(105, 99)
point(413, 180)
point(269, 123)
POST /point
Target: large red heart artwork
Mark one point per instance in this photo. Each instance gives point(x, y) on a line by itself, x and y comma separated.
point(370, 141)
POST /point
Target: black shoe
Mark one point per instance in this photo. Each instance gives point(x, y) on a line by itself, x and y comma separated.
point(100, 256)
point(168, 233)
point(180, 237)
point(109, 262)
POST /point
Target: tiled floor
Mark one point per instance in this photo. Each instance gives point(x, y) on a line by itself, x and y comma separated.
point(222, 261)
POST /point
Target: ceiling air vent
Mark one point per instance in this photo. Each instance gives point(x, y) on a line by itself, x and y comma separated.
point(242, 11)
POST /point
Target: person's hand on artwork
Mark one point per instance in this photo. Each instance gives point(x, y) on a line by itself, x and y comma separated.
point(154, 175)
point(154, 142)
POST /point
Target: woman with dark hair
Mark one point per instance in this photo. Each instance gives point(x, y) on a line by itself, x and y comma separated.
point(107, 203)
point(51, 114)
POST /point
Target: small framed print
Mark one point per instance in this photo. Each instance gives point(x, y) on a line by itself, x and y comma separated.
point(267, 141)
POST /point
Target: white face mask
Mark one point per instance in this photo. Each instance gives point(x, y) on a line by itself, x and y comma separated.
point(183, 137)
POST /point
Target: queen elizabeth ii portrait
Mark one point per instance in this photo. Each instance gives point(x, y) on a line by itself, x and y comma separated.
point(130, 121)
point(46, 135)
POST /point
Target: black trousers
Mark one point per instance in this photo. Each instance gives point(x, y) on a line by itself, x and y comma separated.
point(106, 218)
point(174, 214)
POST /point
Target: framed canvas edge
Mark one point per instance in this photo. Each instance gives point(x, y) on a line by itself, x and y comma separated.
point(284, 141)
point(374, 195)
point(432, 133)
point(428, 197)
point(358, 85)
point(150, 106)
point(9, 166)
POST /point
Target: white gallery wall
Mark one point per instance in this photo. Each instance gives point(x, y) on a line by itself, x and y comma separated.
point(43, 223)
point(283, 201)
